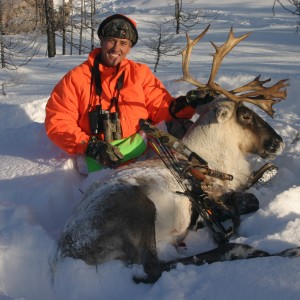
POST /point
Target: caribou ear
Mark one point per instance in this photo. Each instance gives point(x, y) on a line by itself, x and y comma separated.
point(224, 111)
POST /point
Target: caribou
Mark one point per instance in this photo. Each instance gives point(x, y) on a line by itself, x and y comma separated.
point(127, 211)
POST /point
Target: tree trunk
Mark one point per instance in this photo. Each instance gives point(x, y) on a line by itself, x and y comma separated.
point(177, 16)
point(1, 39)
point(72, 29)
point(81, 26)
point(50, 22)
point(2, 51)
point(93, 9)
point(64, 28)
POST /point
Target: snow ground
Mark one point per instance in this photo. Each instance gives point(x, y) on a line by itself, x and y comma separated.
point(39, 184)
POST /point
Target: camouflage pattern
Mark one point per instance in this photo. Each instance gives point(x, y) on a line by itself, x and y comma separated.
point(119, 28)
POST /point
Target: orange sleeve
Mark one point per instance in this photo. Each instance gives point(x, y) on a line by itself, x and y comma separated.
point(158, 100)
point(62, 116)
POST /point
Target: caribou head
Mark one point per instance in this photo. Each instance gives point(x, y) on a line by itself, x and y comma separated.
point(237, 128)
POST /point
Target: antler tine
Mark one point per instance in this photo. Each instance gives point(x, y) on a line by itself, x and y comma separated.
point(221, 52)
point(253, 92)
point(186, 56)
point(255, 84)
point(261, 96)
point(256, 88)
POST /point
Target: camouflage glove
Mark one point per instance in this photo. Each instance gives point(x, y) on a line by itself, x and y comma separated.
point(199, 97)
point(103, 152)
point(193, 98)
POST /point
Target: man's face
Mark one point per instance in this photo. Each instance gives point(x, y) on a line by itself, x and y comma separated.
point(114, 50)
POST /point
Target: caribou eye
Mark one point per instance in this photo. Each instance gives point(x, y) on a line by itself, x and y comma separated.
point(244, 115)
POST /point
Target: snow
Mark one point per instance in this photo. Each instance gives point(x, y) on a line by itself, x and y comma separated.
point(40, 185)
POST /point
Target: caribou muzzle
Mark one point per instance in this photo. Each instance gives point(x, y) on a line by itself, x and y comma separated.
point(272, 148)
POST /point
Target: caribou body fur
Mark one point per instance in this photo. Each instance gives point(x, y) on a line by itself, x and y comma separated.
point(126, 212)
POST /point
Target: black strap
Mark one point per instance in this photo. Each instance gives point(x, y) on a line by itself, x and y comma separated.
point(96, 76)
point(96, 80)
point(120, 81)
point(119, 86)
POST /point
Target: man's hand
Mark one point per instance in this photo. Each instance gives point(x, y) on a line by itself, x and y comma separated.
point(199, 97)
point(193, 98)
point(105, 153)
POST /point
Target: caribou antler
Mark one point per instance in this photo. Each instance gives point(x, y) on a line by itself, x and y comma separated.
point(253, 92)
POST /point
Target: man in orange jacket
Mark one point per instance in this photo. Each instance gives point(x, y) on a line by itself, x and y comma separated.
point(95, 108)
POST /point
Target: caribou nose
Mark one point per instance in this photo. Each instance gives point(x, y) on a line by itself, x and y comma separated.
point(281, 146)
point(274, 147)
point(278, 145)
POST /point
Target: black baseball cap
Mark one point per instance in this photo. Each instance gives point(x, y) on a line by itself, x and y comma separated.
point(119, 26)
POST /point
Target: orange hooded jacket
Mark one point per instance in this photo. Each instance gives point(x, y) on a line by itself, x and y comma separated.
point(142, 96)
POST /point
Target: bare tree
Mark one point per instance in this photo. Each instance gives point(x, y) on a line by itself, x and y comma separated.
point(71, 30)
point(162, 45)
point(2, 36)
point(188, 17)
point(82, 22)
point(39, 14)
point(11, 79)
point(82, 19)
point(292, 6)
point(50, 25)
point(92, 20)
point(75, 22)
point(63, 12)
point(15, 51)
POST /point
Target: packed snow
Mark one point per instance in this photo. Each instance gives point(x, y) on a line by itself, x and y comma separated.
point(40, 185)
